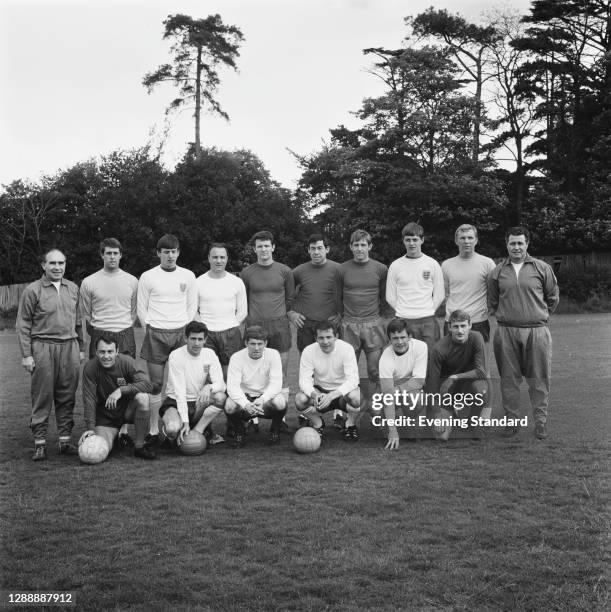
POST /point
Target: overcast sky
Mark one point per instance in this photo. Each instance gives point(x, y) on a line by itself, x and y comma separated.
point(71, 75)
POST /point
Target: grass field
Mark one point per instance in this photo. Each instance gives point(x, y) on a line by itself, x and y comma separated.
point(493, 524)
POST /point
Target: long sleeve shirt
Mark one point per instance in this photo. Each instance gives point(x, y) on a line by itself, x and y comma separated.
point(99, 382)
point(414, 287)
point(187, 375)
point(363, 289)
point(411, 365)
point(222, 301)
point(47, 313)
point(270, 290)
point(319, 295)
point(466, 285)
point(526, 299)
point(449, 357)
point(109, 300)
point(334, 371)
point(167, 299)
point(256, 377)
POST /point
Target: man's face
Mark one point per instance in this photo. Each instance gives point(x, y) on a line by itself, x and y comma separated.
point(516, 247)
point(466, 242)
point(195, 343)
point(255, 348)
point(264, 249)
point(459, 330)
point(106, 353)
point(168, 258)
point(217, 259)
point(326, 340)
point(318, 252)
point(399, 342)
point(413, 245)
point(54, 266)
point(111, 258)
point(360, 250)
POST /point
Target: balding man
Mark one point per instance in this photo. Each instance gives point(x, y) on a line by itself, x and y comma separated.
point(51, 342)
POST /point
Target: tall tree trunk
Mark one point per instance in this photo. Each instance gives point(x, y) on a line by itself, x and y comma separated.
point(519, 181)
point(198, 103)
point(478, 111)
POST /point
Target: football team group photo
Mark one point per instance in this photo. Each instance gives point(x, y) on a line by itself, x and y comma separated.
point(305, 306)
point(225, 342)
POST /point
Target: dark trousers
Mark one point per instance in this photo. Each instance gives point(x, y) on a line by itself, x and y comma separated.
point(54, 382)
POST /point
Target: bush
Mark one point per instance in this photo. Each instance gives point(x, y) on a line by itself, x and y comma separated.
point(592, 284)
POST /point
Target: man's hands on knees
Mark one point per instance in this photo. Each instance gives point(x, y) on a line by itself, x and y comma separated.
point(113, 398)
point(203, 397)
point(446, 385)
point(254, 408)
point(323, 400)
point(28, 363)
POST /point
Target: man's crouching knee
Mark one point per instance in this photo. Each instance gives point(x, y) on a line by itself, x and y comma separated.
point(302, 401)
point(218, 399)
point(277, 403)
point(141, 402)
point(172, 423)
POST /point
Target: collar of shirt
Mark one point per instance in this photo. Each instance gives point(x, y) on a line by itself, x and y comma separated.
point(527, 259)
point(47, 283)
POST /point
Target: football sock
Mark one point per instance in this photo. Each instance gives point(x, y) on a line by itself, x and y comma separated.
point(486, 412)
point(210, 414)
point(312, 414)
point(352, 416)
point(154, 406)
point(141, 422)
point(277, 420)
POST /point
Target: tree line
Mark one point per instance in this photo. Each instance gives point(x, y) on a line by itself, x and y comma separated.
point(503, 121)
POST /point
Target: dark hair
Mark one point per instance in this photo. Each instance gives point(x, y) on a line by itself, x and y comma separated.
point(263, 235)
point(255, 332)
point(168, 241)
point(517, 230)
point(218, 245)
point(459, 315)
point(317, 238)
point(111, 243)
point(195, 327)
point(324, 326)
point(412, 229)
point(396, 326)
point(107, 339)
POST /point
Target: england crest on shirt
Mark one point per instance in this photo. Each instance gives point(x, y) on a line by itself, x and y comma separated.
point(121, 382)
point(426, 275)
point(183, 287)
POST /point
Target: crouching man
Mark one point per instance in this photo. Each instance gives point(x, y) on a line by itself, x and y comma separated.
point(329, 380)
point(195, 388)
point(254, 386)
point(457, 382)
point(115, 391)
point(402, 373)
